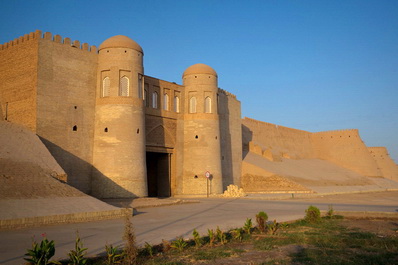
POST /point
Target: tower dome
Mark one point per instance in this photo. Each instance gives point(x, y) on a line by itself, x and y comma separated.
point(120, 41)
point(199, 68)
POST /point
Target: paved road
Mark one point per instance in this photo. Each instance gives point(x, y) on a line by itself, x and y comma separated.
point(154, 224)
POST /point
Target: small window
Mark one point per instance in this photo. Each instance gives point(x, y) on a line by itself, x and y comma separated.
point(192, 105)
point(140, 79)
point(177, 104)
point(146, 99)
point(166, 101)
point(155, 100)
point(207, 105)
point(124, 87)
point(106, 84)
point(74, 128)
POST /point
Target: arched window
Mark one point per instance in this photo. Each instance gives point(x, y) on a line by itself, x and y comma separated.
point(106, 84)
point(155, 100)
point(192, 105)
point(166, 101)
point(124, 87)
point(208, 105)
point(177, 104)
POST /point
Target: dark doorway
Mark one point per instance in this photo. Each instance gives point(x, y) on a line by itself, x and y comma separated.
point(158, 172)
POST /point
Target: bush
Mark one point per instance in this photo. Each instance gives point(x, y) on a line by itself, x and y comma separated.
point(248, 226)
point(261, 219)
point(312, 214)
point(113, 254)
point(179, 244)
point(196, 238)
point(76, 255)
point(41, 254)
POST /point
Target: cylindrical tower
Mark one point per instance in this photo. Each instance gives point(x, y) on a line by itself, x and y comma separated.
point(202, 148)
point(119, 136)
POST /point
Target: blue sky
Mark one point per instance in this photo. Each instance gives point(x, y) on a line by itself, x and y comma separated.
point(309, 65)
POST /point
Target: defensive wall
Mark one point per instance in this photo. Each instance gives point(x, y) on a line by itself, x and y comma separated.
point(48, 87)
point(276, 141)
point(344, 148)
point(229, 110)
point(18, 75)
point(384, 162)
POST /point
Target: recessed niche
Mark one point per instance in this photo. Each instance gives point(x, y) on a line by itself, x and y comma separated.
point(74, 128)
point(196, 137)
point(138, 131)
point(196, 176)
point(106, 129)
point(75, 107)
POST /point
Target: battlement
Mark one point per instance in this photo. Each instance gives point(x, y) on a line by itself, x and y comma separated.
point(225, 92)
point(335, 132)
point(263, 123)
point(47, 36)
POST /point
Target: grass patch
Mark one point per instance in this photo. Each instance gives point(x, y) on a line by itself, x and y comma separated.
point(326, 241)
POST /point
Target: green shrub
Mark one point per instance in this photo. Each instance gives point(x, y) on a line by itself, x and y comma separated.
point(196, 238)
point(261, 219)
point(212, 236)
point(179, 244)
point(238, 234)
point(273, 227)
point(41, 254)
point(330, 212)
point(149, 249)
point(248, 226)
point(113, 254)
point(312, 214)
point(76, 255)
point(222, 238)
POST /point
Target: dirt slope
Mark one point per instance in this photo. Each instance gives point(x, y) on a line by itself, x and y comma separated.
point(314, 174)
point(27, 169)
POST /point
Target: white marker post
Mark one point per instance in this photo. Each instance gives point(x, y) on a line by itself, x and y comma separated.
point(207, 174)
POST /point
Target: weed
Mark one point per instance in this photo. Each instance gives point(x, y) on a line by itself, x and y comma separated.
point(312, 214)
point(248, 226)
point(76, 255)
point(130, 249)
point(179, 244)
point(113, 255)
point(261, 219)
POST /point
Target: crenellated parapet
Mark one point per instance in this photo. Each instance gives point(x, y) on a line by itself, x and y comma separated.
point(48, 36)
point(271, 125)
point(337, 134)
point(225, 92)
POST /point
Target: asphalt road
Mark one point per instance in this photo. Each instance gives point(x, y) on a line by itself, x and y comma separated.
point(168, 222)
